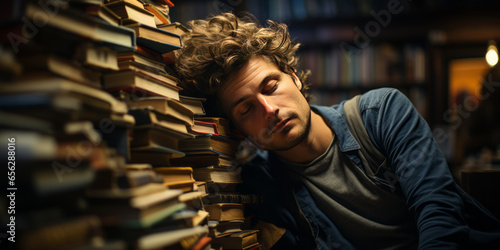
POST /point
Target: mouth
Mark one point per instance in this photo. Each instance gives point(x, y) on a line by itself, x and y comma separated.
point(280, 125)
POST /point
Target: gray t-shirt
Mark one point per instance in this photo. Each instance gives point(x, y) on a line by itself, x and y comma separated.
point(367, 215)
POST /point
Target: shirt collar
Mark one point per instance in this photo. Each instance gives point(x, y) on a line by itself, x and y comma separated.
point(335, 116)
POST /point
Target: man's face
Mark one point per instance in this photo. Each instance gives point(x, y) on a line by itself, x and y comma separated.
point(266, 105)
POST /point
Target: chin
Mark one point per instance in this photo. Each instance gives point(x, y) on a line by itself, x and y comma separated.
point(286, 142)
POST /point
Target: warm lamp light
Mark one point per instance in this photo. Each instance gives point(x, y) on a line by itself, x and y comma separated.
point(492, 54)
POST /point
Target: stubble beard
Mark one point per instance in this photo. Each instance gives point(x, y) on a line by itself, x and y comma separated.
point(291, 142)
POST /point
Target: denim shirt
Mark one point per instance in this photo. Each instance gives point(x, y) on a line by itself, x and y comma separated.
point(446, 217)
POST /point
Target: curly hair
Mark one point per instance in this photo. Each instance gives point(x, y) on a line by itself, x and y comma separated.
point(222, 44)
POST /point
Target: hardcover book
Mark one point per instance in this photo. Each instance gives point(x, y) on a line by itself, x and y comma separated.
point(42, 64)
point(223, 124)
point(142, 60)
point(175, 174)
point(104, 13)
point(136, 212)
point(156, 39)
point(203, 128)
point(203, 160)
point(131, 13)
point(153, 137)
point(52, 85)
point(219, 229)
point(137, 81)
point(86, 27)
point(232, 198)
point(209, 143)
point(99, 57)
point(154, 158)
point(148, 118)
point(195, 104)
point(239, 240)
point(175, 27)
point(225, 211)
point(161, 14)
point(165, 106)
point(218, 174)
point(176, 239)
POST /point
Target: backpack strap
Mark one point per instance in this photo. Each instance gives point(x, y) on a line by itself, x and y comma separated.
point(372, 158)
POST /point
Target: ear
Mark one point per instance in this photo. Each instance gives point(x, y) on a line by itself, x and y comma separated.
point(295, 79)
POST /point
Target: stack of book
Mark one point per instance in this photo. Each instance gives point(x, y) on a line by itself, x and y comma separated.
point(160, 124)
point(136, 206)
point(62, 127)
point(211, 154)
point(151, 93)
point(112, 155)
point(64, 66)
point(49, 172)
point(146, 83)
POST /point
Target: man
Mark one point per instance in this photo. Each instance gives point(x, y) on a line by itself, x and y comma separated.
point(314, 180)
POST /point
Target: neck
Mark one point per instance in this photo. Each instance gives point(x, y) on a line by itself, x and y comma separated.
point(316, 142)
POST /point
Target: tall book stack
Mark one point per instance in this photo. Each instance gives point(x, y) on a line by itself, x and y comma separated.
point(109, 154)
point(149, 88)
point(208, 162)
point(62, 128)
point(136, 206)
point(63, 67)
point(151, 94)
point(211, 154)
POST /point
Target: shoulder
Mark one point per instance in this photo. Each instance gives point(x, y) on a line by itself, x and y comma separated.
point(373, 99)
point(378, 98)
point(384, 108)
point(388, 116)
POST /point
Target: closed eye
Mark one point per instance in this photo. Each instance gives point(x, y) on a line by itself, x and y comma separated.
point(273, 88)
point(246, 110)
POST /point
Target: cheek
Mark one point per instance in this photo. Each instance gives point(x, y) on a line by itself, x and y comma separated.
point(250, 127)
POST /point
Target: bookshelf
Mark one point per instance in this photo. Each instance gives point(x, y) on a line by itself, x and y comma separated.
point(412, 52)
point(347, 49)
point(418, 37)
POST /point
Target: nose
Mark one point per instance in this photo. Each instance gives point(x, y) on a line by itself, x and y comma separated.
point(270, 109)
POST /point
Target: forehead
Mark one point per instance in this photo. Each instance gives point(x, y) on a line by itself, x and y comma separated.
point(246, 80)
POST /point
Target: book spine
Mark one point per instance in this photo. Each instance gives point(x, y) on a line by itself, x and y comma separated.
point(63, 235)
point(232, 198)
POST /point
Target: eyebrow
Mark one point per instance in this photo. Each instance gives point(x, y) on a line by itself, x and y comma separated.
point(269, 77)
